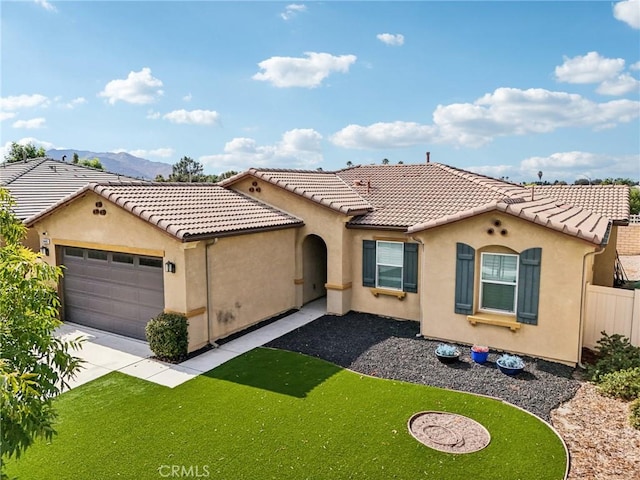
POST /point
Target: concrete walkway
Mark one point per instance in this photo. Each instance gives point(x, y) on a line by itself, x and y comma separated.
point(106, 352)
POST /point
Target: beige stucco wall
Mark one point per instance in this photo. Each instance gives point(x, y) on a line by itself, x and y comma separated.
point(32, 240)
point(556, 336)
point(327, 224)
point(604, 263)
point(251, 279)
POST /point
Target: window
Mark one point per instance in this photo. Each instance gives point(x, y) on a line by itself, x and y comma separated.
point(390, 265)
point(508, 283)
point(97, 255)
point(73, 252)
point(499, 282)
point(150, 262)
point(122, 258)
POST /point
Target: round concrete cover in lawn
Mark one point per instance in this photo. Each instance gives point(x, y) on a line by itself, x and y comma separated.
point(448, 432)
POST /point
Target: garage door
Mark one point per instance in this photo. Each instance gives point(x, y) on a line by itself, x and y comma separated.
point(112, 291)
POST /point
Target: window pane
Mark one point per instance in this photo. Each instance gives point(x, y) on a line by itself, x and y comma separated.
point(97, 254)
point(390, 253)
point(73, 252)
point(500, 268)
point(122, 258)
point(389, 277)
point(151, 262)
point(498, 297)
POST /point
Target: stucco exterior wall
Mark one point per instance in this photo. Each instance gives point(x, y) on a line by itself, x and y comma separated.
point(327, 224)
point(604, 263)
point(556, 336)
point(251, 278)
point(32, 240)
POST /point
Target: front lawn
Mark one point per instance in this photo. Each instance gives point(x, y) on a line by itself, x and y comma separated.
point(277, 414)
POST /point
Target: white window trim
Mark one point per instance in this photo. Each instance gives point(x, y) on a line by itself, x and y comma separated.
point(515, 290)
point(401, 289)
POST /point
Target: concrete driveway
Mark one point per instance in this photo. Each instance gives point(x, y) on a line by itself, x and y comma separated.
point(105, 352)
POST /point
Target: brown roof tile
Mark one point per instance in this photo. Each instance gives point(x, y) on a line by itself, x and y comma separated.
point(187, 211)
point(612, 201)
point(324, 188)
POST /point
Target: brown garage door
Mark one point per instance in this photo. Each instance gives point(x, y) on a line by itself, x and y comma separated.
point(117, 292)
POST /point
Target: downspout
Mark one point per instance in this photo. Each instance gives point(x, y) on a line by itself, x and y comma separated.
point(422, 268)
point(598, 251)
point(208, 287)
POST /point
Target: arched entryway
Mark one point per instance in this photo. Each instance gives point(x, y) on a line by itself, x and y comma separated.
point(314, 268)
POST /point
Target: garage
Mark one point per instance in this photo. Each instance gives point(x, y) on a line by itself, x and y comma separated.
point(112, 291)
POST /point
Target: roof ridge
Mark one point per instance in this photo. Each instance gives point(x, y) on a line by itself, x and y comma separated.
point(508, 189)
point(36, 162)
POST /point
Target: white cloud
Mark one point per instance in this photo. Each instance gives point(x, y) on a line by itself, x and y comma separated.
point(495, 171)
point(193, 117)
point(511, 111)
point(292, 10)
point(634, 66)
point(17, 102)
point(138, 88)
point(187, 97)
point(6, 116)
point(590, 68)
point(30, 124)
point(628, 12)
point(505, 112)
point(384, 135)
point(298, 148)
point(621, 85)
point(302, 72)
point(391, 39)
point(577, 164)
point(46, 5)
point(165, 152)
point(152, 115)
point(75, 102)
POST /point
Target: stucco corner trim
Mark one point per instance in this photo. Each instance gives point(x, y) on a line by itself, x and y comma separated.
point(298, 281)
point(497, 320)
point(189, 314)
point(392, 293)
point(334, 286)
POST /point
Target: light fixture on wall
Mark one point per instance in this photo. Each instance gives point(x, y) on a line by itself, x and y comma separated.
point(170, 267)
point(44, 251)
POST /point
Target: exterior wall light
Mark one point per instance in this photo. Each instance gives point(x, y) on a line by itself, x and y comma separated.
point(44, 251)
point(170, 267)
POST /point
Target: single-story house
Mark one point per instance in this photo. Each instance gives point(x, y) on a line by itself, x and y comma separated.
point(38, 183)
point(471, 258)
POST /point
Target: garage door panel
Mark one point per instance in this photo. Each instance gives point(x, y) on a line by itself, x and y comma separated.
point(119, 297)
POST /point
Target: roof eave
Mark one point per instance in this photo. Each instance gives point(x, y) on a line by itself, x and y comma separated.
point(234, 233)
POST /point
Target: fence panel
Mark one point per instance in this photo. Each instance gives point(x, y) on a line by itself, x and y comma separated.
point(613, 310)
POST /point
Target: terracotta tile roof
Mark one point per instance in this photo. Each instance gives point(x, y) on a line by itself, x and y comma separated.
point(404, 195)
point(324, 188)
point(187, 211)
point(612, 201)
point(39, 183)
point(575, 221)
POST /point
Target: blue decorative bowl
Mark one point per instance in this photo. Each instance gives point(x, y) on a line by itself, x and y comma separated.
point(509, 371)
point(479, 357)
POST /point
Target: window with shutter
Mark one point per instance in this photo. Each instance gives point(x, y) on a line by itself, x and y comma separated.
point(390, 265)
point(465, 268)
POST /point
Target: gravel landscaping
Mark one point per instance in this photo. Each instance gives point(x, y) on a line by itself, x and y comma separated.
point(389, 348)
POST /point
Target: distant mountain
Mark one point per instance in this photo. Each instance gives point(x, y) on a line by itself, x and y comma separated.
point(122, 163)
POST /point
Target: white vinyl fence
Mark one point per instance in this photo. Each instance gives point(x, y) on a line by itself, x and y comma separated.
point(614, 310)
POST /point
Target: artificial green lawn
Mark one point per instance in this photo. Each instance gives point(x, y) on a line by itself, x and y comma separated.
point(277, 414)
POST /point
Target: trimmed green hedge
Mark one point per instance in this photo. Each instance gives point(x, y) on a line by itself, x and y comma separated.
point(624, 384)
point(168, 336)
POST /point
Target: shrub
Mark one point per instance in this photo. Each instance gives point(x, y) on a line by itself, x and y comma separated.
point(624, 384)
point(634, 414)
point(615, 353)
point(168, 336)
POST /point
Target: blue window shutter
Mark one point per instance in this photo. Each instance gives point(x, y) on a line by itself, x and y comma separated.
point(368, 263)
point(410, 268)
point(529, 286)
point(465, 268)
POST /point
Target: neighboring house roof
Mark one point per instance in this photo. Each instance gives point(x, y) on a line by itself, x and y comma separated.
point(39, 183)
point(187, 211)
point(612, 201)
point(324, 188)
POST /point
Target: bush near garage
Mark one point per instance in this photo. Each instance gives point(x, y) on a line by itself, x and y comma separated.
point(624, 384)
point(634, 414)
point(168, 336)
point(615, 353)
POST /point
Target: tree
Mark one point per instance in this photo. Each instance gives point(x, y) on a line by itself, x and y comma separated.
point(385, 161)
point(91, 163)
point(539, 176)
point(76, 158)
point(34, 364)
point(187, 170)
point(349, 163)
point(634, 200)
point(19, 153)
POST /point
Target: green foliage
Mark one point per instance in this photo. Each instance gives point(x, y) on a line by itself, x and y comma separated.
point(634, 201)
point(168, 336)
point(34, 365)
point(18, 153)
point(624, 384)
point(615, 353)
point(90, 162)
point(634, 414)
point(189, 170)
point(76, 158)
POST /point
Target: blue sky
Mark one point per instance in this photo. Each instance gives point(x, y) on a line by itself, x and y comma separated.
point(501, 88)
